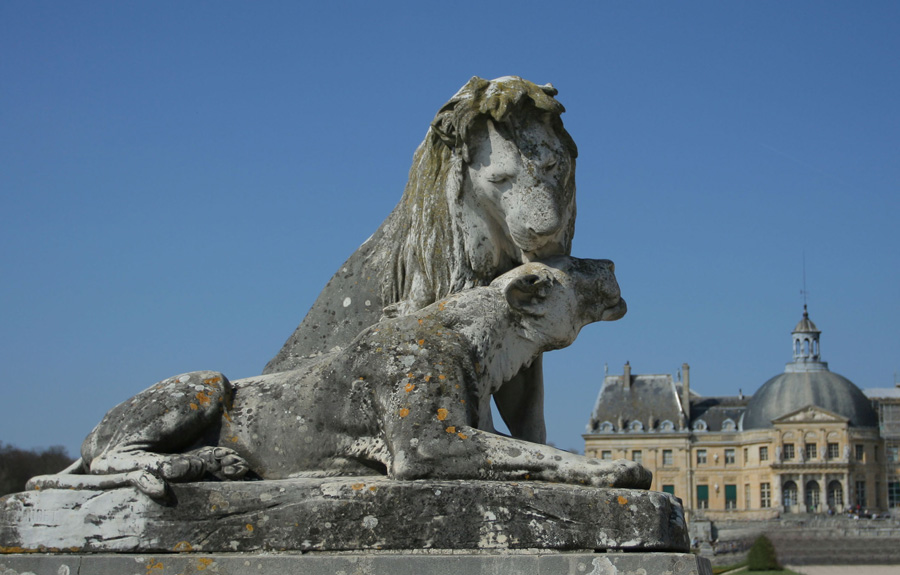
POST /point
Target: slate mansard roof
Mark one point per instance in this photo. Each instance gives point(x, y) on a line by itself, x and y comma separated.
point(649, 401)
point(652, 403)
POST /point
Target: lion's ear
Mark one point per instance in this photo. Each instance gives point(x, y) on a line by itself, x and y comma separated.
point(528, 293)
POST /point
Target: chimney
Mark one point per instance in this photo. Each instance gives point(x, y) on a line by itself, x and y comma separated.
point(626, 379)
point(686, 391)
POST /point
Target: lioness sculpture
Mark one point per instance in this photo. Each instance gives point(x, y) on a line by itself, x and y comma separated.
point(408, 397)
point(491, 186)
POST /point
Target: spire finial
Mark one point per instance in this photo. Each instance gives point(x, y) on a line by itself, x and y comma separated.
point(803, 291)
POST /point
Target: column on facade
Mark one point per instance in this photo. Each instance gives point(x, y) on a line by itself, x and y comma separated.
point(801, 492)
point(846, 489)
point(777, 500)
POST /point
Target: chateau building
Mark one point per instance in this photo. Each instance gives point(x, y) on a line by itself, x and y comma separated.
point(809, 440)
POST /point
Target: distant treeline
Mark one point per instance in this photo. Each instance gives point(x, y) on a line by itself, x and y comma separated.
point(19, 465)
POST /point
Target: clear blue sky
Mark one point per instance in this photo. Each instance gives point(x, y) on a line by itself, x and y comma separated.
point(178, 180)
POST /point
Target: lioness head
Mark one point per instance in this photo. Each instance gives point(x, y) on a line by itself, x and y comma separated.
point(559, 296)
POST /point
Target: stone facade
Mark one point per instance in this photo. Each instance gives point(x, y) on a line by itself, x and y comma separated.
point(825, 454)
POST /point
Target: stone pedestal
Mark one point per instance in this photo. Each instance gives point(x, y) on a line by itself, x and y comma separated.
point(346, 514)
point(366, 525)
point(372, 563)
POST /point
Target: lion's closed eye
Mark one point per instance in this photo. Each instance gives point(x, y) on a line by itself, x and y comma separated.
point(499, 178)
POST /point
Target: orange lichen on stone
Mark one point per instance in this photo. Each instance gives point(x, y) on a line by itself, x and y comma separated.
point(442, 377)
point(212, 380)
point(358, 486)
point(409, 387)
point(410, 375)
point(249, 527)
point(421, 342)
point(183, 546)
point(450, 429)
point(622, 500)
point(373, 489)
point(203, 563)
point(462, 435)
point(441, 305)
point(427, 378)
point(442, 414)
point(404, 412)
point(203, 398)
point(154, 564)
point(194, 406)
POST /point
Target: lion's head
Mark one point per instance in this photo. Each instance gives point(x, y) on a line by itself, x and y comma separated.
point(492, 186)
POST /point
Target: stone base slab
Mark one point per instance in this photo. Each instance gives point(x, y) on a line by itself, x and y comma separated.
point(352, 514)
point(375, 563)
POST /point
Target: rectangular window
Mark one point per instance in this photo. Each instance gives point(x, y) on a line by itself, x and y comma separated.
point(893, 453)
point(731, 497)
point(637, 456)
point(606, 455)
point(747, 496)
point(746, 456)
point(667, 457)
point(861, 493)
point(701, 457)
point(788, 451)
point(765, 495)
point(834, 451)
point(729, 456)
point(810, 451)
point(764, 453)
point(670, 489)
point(894, 494)
point(860, 452)
point(703, 497)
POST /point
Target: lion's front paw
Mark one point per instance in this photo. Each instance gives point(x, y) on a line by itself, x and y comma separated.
point(621, 473)
point(219, 461)
point(632, 475)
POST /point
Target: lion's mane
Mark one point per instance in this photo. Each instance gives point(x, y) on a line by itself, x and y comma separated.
point(421, 252)
point(428, 256)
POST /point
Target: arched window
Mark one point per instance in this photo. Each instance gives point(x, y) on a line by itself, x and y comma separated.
point(700, 425)
point(812, 496)
point(729, 425)
point(789, 494)
point(667, 426)
point(636, 426)
point(835, 495)
point(606, 427)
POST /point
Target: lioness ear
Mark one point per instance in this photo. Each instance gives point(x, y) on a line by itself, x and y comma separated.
point(527, 294)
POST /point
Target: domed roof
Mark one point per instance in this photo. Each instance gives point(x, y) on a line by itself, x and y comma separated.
point(790, 391)
point(807, 381)
point(806, 325)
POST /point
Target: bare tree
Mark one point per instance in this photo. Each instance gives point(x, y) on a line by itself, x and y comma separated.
point(19, 465)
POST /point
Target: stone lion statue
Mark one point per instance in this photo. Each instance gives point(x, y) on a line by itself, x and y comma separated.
point(492, 186)
point(408, 397)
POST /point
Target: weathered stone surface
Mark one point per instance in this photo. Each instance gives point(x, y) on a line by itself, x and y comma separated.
point(411, 398)
point(492, 186)
point(373, 563)
point(366, 513)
